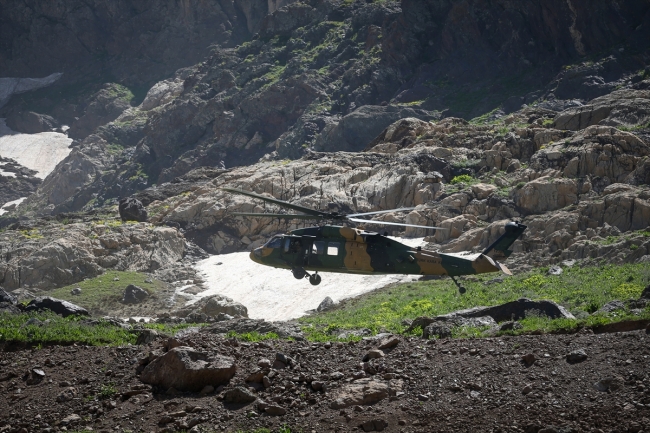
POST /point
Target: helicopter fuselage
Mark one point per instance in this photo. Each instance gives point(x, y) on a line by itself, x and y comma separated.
point(354, 251)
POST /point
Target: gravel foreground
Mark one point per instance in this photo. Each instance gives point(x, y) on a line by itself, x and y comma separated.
point(505, 384)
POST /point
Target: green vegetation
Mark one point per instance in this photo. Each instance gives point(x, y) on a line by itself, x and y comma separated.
point(33, 234)
point(253, 336)
point(580, 290)
point(102, 291)
point(547, 122)
point(59, 330)
point(463, 178)
point(121, 92)
point(634, 128)
point(107, 391)
point(73, 329)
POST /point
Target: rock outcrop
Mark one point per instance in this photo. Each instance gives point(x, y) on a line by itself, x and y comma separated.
point(59, 254)
point(187, 369)
point(57, 306)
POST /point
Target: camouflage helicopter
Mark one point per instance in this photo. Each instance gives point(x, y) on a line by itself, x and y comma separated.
point(330, 248)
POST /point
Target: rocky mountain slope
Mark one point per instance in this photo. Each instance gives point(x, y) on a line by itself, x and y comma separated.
point(330, 76)
point(294, 108)
point(578, 383)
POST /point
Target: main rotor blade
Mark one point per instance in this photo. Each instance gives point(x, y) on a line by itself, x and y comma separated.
point(386, 223)
point(381, 211)
point(276, 215)
point(278, 202)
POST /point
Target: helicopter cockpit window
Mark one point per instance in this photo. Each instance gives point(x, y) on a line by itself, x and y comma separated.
point(318, 248)
point(274, 243)
point(333, 249)
point(287, 243)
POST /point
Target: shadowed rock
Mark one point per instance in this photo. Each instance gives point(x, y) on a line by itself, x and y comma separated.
point(134, 294)
point(58, 306)
point(131, 209)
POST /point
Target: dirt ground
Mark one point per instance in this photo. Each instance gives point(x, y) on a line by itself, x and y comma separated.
point(480, 385)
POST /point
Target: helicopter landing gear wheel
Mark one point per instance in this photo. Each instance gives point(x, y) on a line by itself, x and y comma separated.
point(298, 273)
point(461, 289)
point(314, 279)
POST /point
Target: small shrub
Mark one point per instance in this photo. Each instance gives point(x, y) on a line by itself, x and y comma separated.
point(627, 291)
point(463, 178)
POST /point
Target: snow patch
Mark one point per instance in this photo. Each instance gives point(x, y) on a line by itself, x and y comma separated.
point(274, 294)
point(40, 152)
point(11, 204)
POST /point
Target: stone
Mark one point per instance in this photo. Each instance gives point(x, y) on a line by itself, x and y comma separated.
point(612, 306)
point(555, 270)
point(437, 330)
point(71, 419)
point(134, 294)
point(576, 356)
point(76, 291)
point(146, 336)
point(388, 342)
point(355, 130)
point(264, 363)
point(527, 389)
point(528, 359)
point(275, 410)
point(373, 354)
point(239, 395)
point(374, 425)
point(326, 304)
point(58, 306)
point(208, 389)
point(609, 384)
point(132, 209)
point(66, 395)
point(364, 392)
point(216, 305)
point(30, 122)
point(187, 369)
point(317, 385)
point(514, 310)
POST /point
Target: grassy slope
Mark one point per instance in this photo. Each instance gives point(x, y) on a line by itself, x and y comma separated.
point(580, 290)
point(103, 292)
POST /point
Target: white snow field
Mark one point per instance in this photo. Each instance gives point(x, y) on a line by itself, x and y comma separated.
point(274, 294)
point(40, 152)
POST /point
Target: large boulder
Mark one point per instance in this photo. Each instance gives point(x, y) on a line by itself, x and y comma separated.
point(514, 310)
point(134, 294)
point(186, 369)
point(357, 129)
point(220, 304)
point(58, 306)
point(132, 209)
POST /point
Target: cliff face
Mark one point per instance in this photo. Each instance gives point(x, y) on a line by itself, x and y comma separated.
point(321, 75)
point(132, 42)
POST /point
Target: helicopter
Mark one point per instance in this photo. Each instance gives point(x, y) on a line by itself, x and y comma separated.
point(342, 249)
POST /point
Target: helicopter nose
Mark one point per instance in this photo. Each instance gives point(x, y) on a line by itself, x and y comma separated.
point(256, 254)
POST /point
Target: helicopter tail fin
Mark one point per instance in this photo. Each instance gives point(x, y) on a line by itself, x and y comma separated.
point(499, 249)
